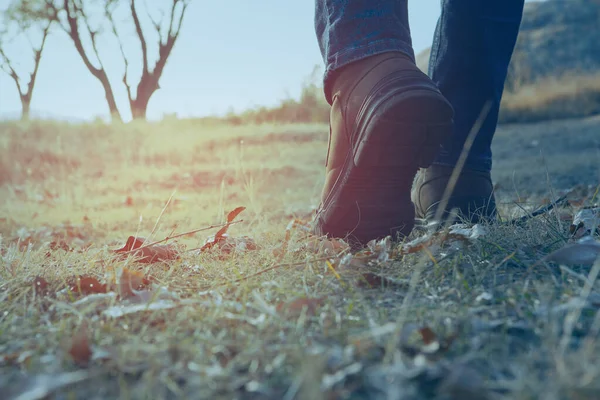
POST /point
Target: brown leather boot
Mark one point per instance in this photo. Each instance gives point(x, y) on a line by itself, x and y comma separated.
point(387, 120)
point(472, 197)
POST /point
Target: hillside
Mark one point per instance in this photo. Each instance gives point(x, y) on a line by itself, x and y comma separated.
point(555, 69)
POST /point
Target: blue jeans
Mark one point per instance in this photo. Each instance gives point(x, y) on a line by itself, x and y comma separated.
point(471, 50)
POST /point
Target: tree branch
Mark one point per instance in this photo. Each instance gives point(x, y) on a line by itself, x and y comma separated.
point(155, 23)
point(92, 34)
point(37, 58)
point(10, 70)
point(140, 33)
point(73, 31)
point(165, 47)
point(121, 48)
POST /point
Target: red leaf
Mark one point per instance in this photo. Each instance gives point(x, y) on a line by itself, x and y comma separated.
point(230, 217)
point(428, 335)
point(131, 244)
point(79, 348)
point(86, 285)
point(213, 241)
point(130, 281)
point(234, 213)
point(148, 254)
point(40, 285)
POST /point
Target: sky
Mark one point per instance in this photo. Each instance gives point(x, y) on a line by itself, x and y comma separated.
point(230, 55)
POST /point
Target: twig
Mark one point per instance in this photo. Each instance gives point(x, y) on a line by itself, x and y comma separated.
point(540, 211)
point(182, 234)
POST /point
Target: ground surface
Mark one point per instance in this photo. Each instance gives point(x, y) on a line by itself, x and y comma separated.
point(478, 313)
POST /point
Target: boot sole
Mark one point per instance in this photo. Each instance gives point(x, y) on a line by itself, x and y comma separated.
point(371, 198)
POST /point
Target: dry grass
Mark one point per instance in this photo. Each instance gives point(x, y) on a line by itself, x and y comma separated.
point(521, 329)
point(569, 96)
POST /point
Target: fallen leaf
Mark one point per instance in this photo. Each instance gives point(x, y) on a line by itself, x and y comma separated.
point(237, 245)
point(80, 349)
point(464, 232)
point(40, 285)
point(584, 252)
point(221, 236)
point(131, 281)
point(586, 222)
point(128, 201)
point(16, 358)
point(432, 346)
point(427, 335)
point(234, 213)
point(149, 254)
point(417, 244)
point(86, 285)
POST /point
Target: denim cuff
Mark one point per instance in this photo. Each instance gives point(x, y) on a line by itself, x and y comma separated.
point(352, 54)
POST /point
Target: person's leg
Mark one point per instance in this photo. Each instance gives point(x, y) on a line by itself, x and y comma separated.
point(352, 30)
point(471, 51)
point(387, 119)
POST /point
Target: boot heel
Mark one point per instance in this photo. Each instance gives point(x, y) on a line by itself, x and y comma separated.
point(407, 133)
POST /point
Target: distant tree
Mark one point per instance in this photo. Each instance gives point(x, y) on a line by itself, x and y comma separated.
point(16, 27)
point(84, 21)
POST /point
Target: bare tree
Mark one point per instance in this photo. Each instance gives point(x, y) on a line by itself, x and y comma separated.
point(75, 19)
point(167, 34)
point(24, 28)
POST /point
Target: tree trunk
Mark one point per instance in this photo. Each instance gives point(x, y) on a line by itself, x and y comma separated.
point(146, 88)
point(110, 98)
point(138, 108)
point(25, 107)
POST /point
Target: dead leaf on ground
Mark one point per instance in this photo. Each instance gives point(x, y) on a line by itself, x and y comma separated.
point(432, 347)
point(130, 281)
point(238, 244)
point(417, 244)
point(41, 286)
point(584, 252)
point(234, 213)
point(221, 236)
point(20, 358)
point(586, 222)
point(150, 254)
point(427, 335)
point(228, 244)
point(86, 285)
point(79, 348)
point(465, 232)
